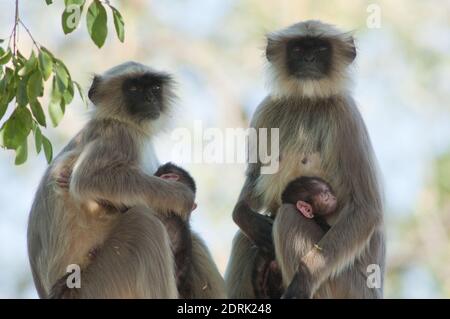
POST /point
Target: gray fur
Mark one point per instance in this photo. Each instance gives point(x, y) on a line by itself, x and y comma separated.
point(111, 160)
point(321, 134)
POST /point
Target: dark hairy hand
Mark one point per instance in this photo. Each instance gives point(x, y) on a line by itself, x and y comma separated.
point(263, 235)
point(257, 227)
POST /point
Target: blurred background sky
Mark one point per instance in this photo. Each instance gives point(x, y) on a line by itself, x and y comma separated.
point(215, 50)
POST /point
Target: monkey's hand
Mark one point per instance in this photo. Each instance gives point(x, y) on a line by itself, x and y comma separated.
point(182, 200)
point(176, 177)
point(63, 179)
point(263, 238)
point(300, 286)
point(257, 227)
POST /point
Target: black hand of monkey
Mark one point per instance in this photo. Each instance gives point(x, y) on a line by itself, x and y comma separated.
point(261, 235)
point(256, 227)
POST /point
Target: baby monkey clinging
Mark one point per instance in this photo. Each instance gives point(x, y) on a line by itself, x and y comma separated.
point(312, 196)
point(314, 199)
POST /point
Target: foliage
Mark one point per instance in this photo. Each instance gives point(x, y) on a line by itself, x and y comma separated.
point(22, 79)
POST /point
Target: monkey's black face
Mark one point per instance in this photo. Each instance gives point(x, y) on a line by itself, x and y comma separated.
point(308, 58)
point(143, 95)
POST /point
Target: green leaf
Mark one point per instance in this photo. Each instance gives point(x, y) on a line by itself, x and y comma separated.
point(38, 139)
point(48, 2)
point(8, 86)
point(29, 66)
point(71, 15)
point(5, 83)
point(56, 107)
point(6, 57)
point(56, 94)
point(16, 129)
point(19, 61)
point(81, 93)
point(45, 64)
point(47, 149)
point(3, 107)
point(119, 24)
point(35, 86)
point(62, 77)
point(47, 51)
point(97, 23)
point(38, 112)
point(11, 93)
point(21, 94)
point(56, 111)
point(22, 153)
point(68, 93)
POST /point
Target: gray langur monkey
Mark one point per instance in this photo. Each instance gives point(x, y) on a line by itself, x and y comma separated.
point(321, 134)
point(112, 161)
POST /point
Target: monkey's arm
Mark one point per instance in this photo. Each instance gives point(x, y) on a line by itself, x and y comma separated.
point(340, 246)
point(104, 173)
point(257, 227)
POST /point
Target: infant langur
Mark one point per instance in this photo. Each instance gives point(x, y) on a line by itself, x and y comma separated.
point(177, 228)
point(314, 200)
point(312, 197)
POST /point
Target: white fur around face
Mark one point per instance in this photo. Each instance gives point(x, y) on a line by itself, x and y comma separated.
point(149, 161)
point(282, 84)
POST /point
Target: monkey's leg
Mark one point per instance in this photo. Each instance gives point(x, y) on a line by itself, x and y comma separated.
point(294, 236)
point(134, 262)
point(207, 282)
point(239, 273)
point(364, 279)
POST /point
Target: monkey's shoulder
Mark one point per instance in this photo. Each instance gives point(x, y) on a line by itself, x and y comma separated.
point(106, 128)
point(290, 111)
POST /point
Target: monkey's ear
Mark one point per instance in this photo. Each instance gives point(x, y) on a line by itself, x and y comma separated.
point(94, 87)
point(351, 49)
point(305, 209)
point(270, 49)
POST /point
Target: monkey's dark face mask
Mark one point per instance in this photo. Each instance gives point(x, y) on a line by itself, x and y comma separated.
point(144, 96)
point(308, 58)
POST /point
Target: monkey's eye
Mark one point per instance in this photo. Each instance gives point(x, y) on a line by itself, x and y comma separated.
point(156, 88)
point(132, 88)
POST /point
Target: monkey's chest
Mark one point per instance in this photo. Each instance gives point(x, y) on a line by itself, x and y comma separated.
point(293, 164)
point(148, 160)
